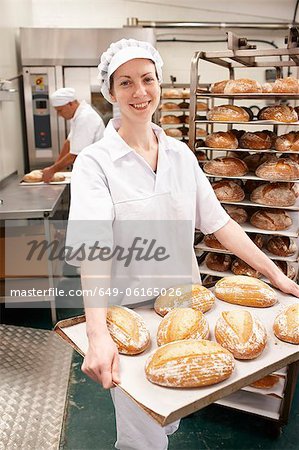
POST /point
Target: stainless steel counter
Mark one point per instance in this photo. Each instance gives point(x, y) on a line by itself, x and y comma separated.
point(28, 202)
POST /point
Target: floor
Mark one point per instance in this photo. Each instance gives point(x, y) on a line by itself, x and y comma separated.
point(89, 423)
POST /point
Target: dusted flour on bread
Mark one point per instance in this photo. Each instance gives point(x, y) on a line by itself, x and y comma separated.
point(241, 333)
point(193, 296)
point(286, 324)
point(189, 363)
point(182, 323)
point(128, 330)
point(246, 291)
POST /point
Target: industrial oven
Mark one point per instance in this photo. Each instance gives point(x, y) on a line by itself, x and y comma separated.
point(52, 58)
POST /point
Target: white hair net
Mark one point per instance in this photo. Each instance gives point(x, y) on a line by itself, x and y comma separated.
point(63, 96)
point(119, 53)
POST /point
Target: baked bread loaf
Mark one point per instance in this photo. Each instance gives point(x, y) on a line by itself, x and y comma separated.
point(169, 119)
point(257, 140)
point(255, 160)
point(218, 261)
point(286, 324)
point(242, 86)
point(294, 157)
point(258, 239)
point(218, 87)
point(287, 269)
point(273, 194)
point(287, 85)
point(36, 176)
point(267, 382)
point(200, 132)
point(281, 246)
point(278, 113)
point(228, 191)
point(199, 143)
point(226, 166)
point(189, 363)
point(172, 93)
point(174, 132)
point(128, 330)
point(245, 291)
point(241, 333)
point(237, 213)
point(288, 142)
point(211, 241)
point(193, 296)
point(182, 323)
point(168, 106)
point(201, 156)
point(271, 219)
point(183, 105)
point(267, 88)
point(283, 169)
point(222, 139)
point(238, 134)
point(228, 113)
point(240, 267)
point(201, 106)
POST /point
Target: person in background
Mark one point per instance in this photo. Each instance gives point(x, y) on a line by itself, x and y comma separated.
point(86, 127)
point(136, 172)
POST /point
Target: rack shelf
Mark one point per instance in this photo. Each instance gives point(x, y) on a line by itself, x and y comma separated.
point(249, 177)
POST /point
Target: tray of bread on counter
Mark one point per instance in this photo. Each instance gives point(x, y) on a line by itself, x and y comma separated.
point(198, 346)
point(35, 178)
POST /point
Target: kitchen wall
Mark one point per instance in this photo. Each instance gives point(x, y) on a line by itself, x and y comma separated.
point(14, 13)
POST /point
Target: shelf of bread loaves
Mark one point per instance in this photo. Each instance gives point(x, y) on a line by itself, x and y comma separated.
point(240, 268)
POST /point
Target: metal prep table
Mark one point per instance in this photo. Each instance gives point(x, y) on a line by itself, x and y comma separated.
point(32, 202)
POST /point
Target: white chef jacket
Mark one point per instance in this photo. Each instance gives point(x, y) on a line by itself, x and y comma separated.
point(111, 183)
point(86, 127)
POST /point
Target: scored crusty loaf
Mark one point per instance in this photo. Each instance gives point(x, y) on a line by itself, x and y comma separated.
point(182, 323)
point(218, 87)
point(222, 139)
point(211, 241)
point(241, 333)
point(255, 160)
point(258, 140)
point(240, 267)
point(267, 87)
point(245, 291)
point(173, 132)
point(258, 239)
point(266, 382)
point(189, 363)
point(286, 324)
point(281, 246)
point(237, 213)
point(228, 113)
point(170, 119)
point(227, 190)
point(288, 142)
point(36, 176)
point(226, 166)
point(287, 268)
point(193, 296)
point(172, 93)
point(218, 261)
point(201, 106)
point(273, 194)
point(242, 86)
point(271, 219)
point(283, 169)
point(278, 113)
point(287, 85)
point(128, 330)
point(167, 106)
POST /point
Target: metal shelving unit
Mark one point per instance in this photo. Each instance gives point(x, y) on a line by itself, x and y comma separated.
point(239, 56)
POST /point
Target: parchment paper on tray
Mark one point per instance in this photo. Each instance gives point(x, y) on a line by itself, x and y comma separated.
point(168, 404)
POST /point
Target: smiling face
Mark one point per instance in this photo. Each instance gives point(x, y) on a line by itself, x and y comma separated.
point(136, 89)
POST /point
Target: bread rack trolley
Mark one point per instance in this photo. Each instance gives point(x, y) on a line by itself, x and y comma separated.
point(242, 55)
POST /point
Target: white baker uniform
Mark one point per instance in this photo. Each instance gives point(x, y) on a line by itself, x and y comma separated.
point(86, 127)
point(111, 182)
